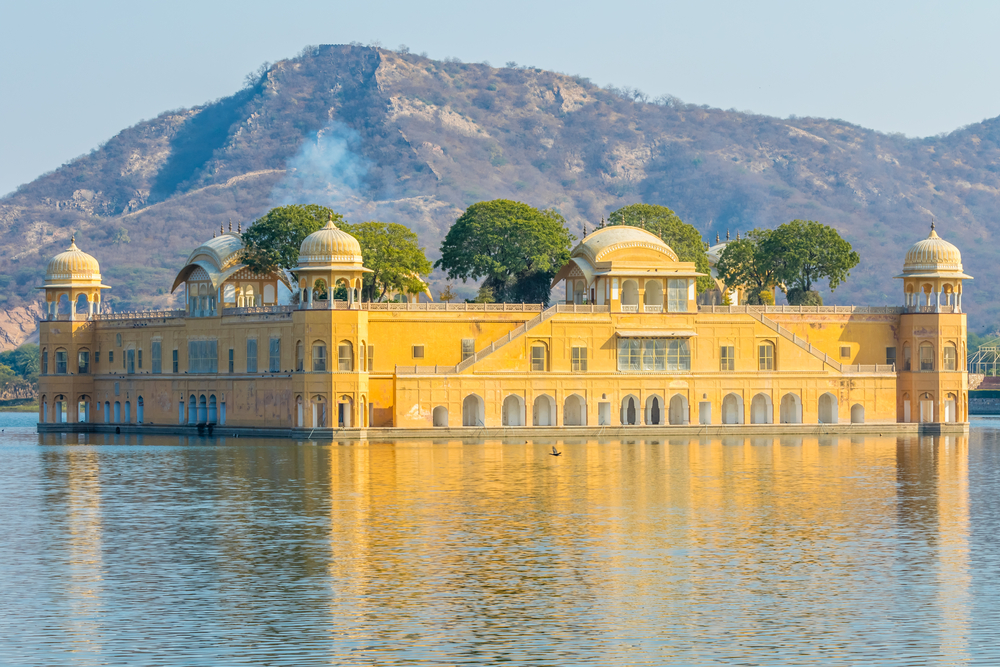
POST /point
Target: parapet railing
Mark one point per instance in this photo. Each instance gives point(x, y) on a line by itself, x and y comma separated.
point(424, 370)
point(139, 315)
point(257, 310)
point(861, 310)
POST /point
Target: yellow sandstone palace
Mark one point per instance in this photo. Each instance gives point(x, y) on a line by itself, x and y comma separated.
point(628, 346)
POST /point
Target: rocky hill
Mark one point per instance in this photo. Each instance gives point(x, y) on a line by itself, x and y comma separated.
point(399, 137)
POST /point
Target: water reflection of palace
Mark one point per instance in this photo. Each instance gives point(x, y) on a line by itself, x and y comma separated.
point(629, 345)
point(677, 541)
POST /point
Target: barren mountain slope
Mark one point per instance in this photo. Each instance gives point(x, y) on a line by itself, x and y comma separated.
point(381, 135)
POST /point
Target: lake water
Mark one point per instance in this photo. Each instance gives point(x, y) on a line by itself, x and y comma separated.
point(686, 551)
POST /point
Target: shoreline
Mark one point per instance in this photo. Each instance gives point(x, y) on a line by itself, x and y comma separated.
point(514, 432)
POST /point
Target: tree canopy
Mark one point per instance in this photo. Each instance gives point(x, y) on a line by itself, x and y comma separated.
point(806, 251)
point(683, 238)
point(794, 256)
point(747, 264)
point(273, 240)
point(390, 250)
point(517, 249)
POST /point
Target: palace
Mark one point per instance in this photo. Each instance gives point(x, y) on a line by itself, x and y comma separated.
point(629, 345)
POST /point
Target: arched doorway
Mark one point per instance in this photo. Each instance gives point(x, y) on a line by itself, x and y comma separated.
point(732, 409)
point(926, 407)
point(440, 416)
point(790, 409)
point(574, 411)
point(679, 410)
point(630, 410)
point(544, 411)
point(654, 413)
point(473, 411)
point(857, 414)
point(139, 408)
point(950, 408)
point(192, 409)
point(828, 409)
point(512, 411)
point(345, 412)
point(213, 410)
point(299, 412)
point(761, 409)
point(630, 293)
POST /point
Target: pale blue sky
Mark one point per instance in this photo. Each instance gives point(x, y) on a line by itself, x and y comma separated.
point(72, 74)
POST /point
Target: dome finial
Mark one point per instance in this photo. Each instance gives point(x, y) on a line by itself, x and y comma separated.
point(329, 223)
point(716, 238)
point(72, 239)
point(239, 227)
point(230, 225)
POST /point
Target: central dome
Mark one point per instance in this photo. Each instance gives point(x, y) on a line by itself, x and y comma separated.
point(72, 264)
point(932, 254)
point(330, 246)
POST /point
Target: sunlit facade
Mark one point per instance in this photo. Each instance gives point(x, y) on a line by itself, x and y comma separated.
point(626, 344)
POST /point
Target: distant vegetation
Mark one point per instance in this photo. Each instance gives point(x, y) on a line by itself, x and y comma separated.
point(419, 141)
point(19, 372)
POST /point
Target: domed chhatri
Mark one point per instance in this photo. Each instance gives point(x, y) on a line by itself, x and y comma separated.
point(932, 276)
point(72, 266)
point(932, 254)
point(73, 278)
point(328, 257)
point(329, 245)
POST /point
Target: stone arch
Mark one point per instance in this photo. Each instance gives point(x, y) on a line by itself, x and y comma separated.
point(630, 293)
point(202, 409)
point(828, 409)
point(440, 416)
point(761, 409)
point(857, 414)
point(679, 413)
point(299, 412)
point(653, 295)
point(140, 407)
point(790, 409)
point(118, 412)
point(473, 410)
point(630, 411)
point(320, 290)
point(213, 410)
point(732, 409)
point(319, 361)
point(543, 412)
point(320, 411)
point(575, 410)
point(83, 409)
point(345, 411)
point(192, 409)
point(268, 294)
point(906, 408)
point(654, 412)
point(512, 411)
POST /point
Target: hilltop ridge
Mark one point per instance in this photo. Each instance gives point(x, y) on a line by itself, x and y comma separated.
point(400, 137)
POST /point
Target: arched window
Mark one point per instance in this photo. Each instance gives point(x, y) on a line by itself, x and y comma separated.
point(765, 356)
point(83, 362)
point(268, 294)
point(949, 361)
point(630, 293)
point(319, 289)
point(300, 356)
point(906, 357)
point(45, 361)
point(345, 356)
point(139, 406)
point(363, 358)
point(926, 357)
point(319, 357)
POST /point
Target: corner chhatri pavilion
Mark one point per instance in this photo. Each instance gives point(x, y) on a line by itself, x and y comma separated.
point(629, 345)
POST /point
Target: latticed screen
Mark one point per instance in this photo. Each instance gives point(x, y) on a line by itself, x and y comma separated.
point(274, 355)
point(468, 348)
point(653, 354)
point(727, 358)
point(579, 359)
point(251, 355)
point(765, 357)
point(157, 357)
point(677, 295)
point(538, 358)
point(203, 356)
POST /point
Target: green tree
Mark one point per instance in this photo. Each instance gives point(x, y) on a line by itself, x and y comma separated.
point(390, 250)
point(515, 247)
point(24, 361)
point(683, 238)
point(805, 252)
point(746, 263)
point(273, 241)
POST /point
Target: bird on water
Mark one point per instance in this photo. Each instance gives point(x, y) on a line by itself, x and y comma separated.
point(555, 452)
